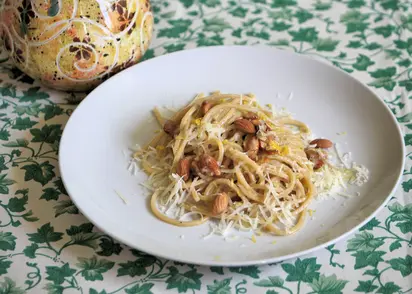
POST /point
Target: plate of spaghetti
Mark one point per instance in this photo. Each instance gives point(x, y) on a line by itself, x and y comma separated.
point(251, 159)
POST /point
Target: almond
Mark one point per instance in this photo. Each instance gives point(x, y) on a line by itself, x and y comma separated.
point(220, 203)
point(205, 107)
point(245, 126)
point(251, 146)
point(208, 165)
point(170, 128)
point(315, 158)
point(183, 168)
point(322, 143)
point(227, 162)
point(250, 115)
point(255, 122)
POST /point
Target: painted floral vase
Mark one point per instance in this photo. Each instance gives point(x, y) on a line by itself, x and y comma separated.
point(75, 44)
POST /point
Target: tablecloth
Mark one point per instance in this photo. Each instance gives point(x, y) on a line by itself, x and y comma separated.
point(47, 246)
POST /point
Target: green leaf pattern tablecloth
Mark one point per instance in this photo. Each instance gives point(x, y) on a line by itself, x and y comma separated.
point(46, 246)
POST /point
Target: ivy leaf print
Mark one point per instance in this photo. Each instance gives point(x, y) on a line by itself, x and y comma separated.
point(364, 242)
point(140, 289)
point(17, 143)
point(384, 73)
point(270, 282)
point(51, 111)
point(404, 63)
point(251, 271)
point(4, 182)
point(405, 227)
point(174, 47)
point(402, 215)
point(238, 12)
point(304, 35)
point(23, 124)
point(305, 270)
point(362, 62)
point(41, 173)
point(384, 78)
point(322, 5)
point(4, 266)
point(368, 258)
point(17, 204)
point(216, 25)
point(50, 194)
point(45, 234)
point(137, 267)
point(389, 4)
point(389, 288)
point(283, 3)
point(327, 285)
point(33, 109)
point(30, 251)
point(92, 269)
point(370, 225)
point(54, 8)
point(183, 282)
point(354, 21)
point(57, 274)
point(325, 44)
point(65, 206)
point(407, 84)
point(33, 94)
point(280, 26)
point(179, 26)
point(187, 3)
point(384, 31)
point(366, 287)
point(84, 228)
point(206, 41)
point(392, 53)
point(54, 288)
point(372, 273)
point(404, 265)
point(210, 3)
point(395, 245)
point(7, 241)
point(93, 291)
point(108, 247)
point(303, 15)
point(407, 22)
point(8, 286)
point(4, 135)
point(355, 3)
point(217, 269)
point(407, 186)
point(47, 134)
point(261, 34)
point(2, 164)
point(220, 287)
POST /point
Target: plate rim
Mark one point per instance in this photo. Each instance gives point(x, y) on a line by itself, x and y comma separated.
point(256, 261)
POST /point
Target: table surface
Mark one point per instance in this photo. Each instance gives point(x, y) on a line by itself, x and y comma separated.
point(46, 246)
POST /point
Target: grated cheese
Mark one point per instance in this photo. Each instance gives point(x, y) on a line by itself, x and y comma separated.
point(311, 212)
point(253, 238)
point(121, 197)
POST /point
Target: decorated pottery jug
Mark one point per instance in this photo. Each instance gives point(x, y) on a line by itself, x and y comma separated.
point(75, 44)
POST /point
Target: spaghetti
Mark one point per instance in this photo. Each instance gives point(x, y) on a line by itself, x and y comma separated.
point(226, 157)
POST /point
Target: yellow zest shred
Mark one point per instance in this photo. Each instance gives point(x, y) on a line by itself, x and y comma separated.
point(197, 121)
point(311, 212)
point(160, 147)
point(253, 238)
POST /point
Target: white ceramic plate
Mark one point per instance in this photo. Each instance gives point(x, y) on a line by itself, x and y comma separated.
point(117, 115)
